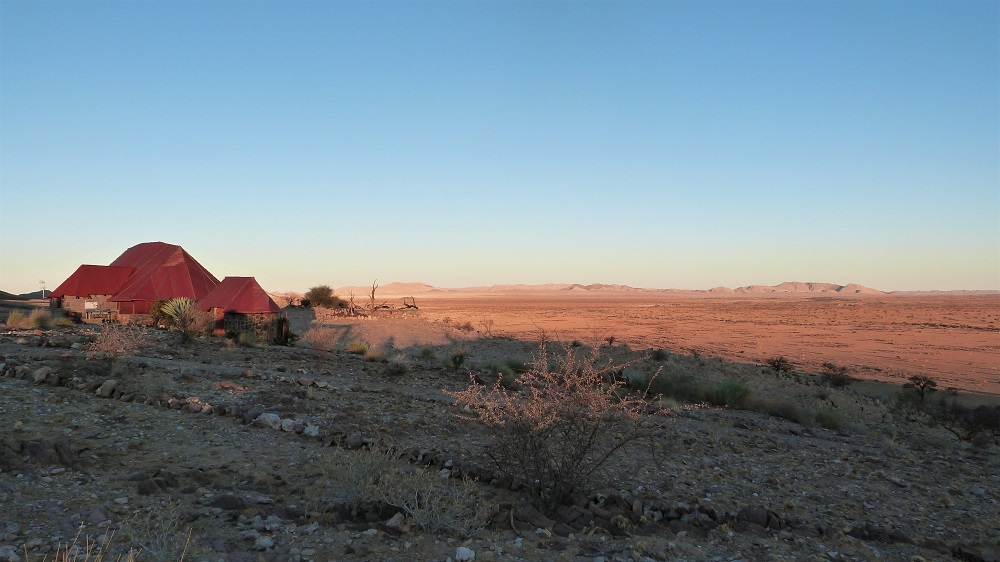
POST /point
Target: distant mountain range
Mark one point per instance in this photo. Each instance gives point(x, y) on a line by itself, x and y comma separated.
point(602, 288)
point(595, 289)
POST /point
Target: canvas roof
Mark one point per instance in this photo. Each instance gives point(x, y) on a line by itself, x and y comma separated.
point(93, 280)
point(239, 294)
point(162, 271)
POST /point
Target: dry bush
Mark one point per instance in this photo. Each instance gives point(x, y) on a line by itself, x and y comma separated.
point(17, 320)
point(358, 347)
point(117, 340)
point(320, 340)
point(90, 550)
point(564, 425)
point(158, 533)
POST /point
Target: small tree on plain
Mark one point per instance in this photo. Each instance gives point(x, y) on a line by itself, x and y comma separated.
point(779, 363)
point(322, 296)
point(923, 384)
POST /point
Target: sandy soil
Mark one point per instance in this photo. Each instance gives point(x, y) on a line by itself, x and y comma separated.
point(955, 339)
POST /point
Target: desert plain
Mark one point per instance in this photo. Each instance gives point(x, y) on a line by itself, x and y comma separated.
point(213, 450)
point(954, 339)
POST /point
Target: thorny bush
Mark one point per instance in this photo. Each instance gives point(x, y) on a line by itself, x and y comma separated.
point(566, 420)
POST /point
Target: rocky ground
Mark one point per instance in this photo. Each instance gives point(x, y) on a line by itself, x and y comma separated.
point(213, 451)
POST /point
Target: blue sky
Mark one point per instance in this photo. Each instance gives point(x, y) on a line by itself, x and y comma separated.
point(654, 144)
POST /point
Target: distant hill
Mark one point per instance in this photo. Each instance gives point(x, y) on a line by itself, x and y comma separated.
point(799, 287)
point(4, 295)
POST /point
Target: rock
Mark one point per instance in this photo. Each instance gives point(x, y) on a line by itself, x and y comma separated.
point(288, 425)
point(310, 430)
point(268, 420)
point(107, 388)
point(396, 521)
point(760, 516)
point(533, 517)
point(40, 375)
point(228, 502)
point(463, 554)
point(263, 543)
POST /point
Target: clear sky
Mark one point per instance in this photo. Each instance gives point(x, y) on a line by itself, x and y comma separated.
point(654, 144)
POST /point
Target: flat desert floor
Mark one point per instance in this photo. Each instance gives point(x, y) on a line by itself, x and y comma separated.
point(955, 338)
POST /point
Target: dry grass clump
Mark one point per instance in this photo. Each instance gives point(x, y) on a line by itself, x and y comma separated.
point(358, 347)
point(377, 481)
point(37, 319)
point(377, 354)
point(569, 418)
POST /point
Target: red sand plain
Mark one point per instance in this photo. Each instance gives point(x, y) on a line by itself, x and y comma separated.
point(952, 338)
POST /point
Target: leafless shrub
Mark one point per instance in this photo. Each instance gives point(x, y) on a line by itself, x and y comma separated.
point(158, 533)
point(117, 340)
point(779, 363)
point(321, 340)
point(564, 425)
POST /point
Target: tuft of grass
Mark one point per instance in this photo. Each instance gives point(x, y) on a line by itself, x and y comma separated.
point(17, 320)
point(398, 364)
point(40, 319)
point(358, 347)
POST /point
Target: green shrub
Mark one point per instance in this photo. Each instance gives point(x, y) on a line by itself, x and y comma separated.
point(357, 347)
point(783, 409)
point(427, 352)
point(830, 418)
point(730, 393)
point(683, 387)
point(322, 296)
point(186, 318)
point(660, 355)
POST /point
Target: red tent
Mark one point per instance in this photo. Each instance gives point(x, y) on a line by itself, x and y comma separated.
point(90, 280)
point(239, 294)
point(160, 271)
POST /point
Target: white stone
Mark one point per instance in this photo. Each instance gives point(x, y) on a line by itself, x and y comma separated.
point(464, 554)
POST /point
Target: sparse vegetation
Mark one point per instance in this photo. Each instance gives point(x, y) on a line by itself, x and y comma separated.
point(730, 393)
point(117, 340)
point(557, 433)
point(965, 422)
point(829, 417)
point(321, 340)
point(37, 319)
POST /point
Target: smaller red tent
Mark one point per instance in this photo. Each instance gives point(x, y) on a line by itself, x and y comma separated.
point(242, 295)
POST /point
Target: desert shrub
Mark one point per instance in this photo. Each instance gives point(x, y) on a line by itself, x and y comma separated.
point(63, 320)
point(117, 340)
point(557, 433)
point(466, 327)
point(186, 319)
point(660, 355)
point(320, 340)
point(17, 320)
point(923, 384)
point(427, 352)
point(322, 296)
point(457, 358)
point(157, 316)
point(679, 386)
point(836, 376)
point(358, 347)
point(830, 418)
point(158, 533)
point(779, 363)
point(730, 393)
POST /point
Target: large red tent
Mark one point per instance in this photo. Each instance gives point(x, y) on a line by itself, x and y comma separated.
point(161, 271)
point(241, 295)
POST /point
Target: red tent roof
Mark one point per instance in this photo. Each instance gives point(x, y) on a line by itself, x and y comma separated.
point(162, 271)
point(93, 280)
point(239, 294)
